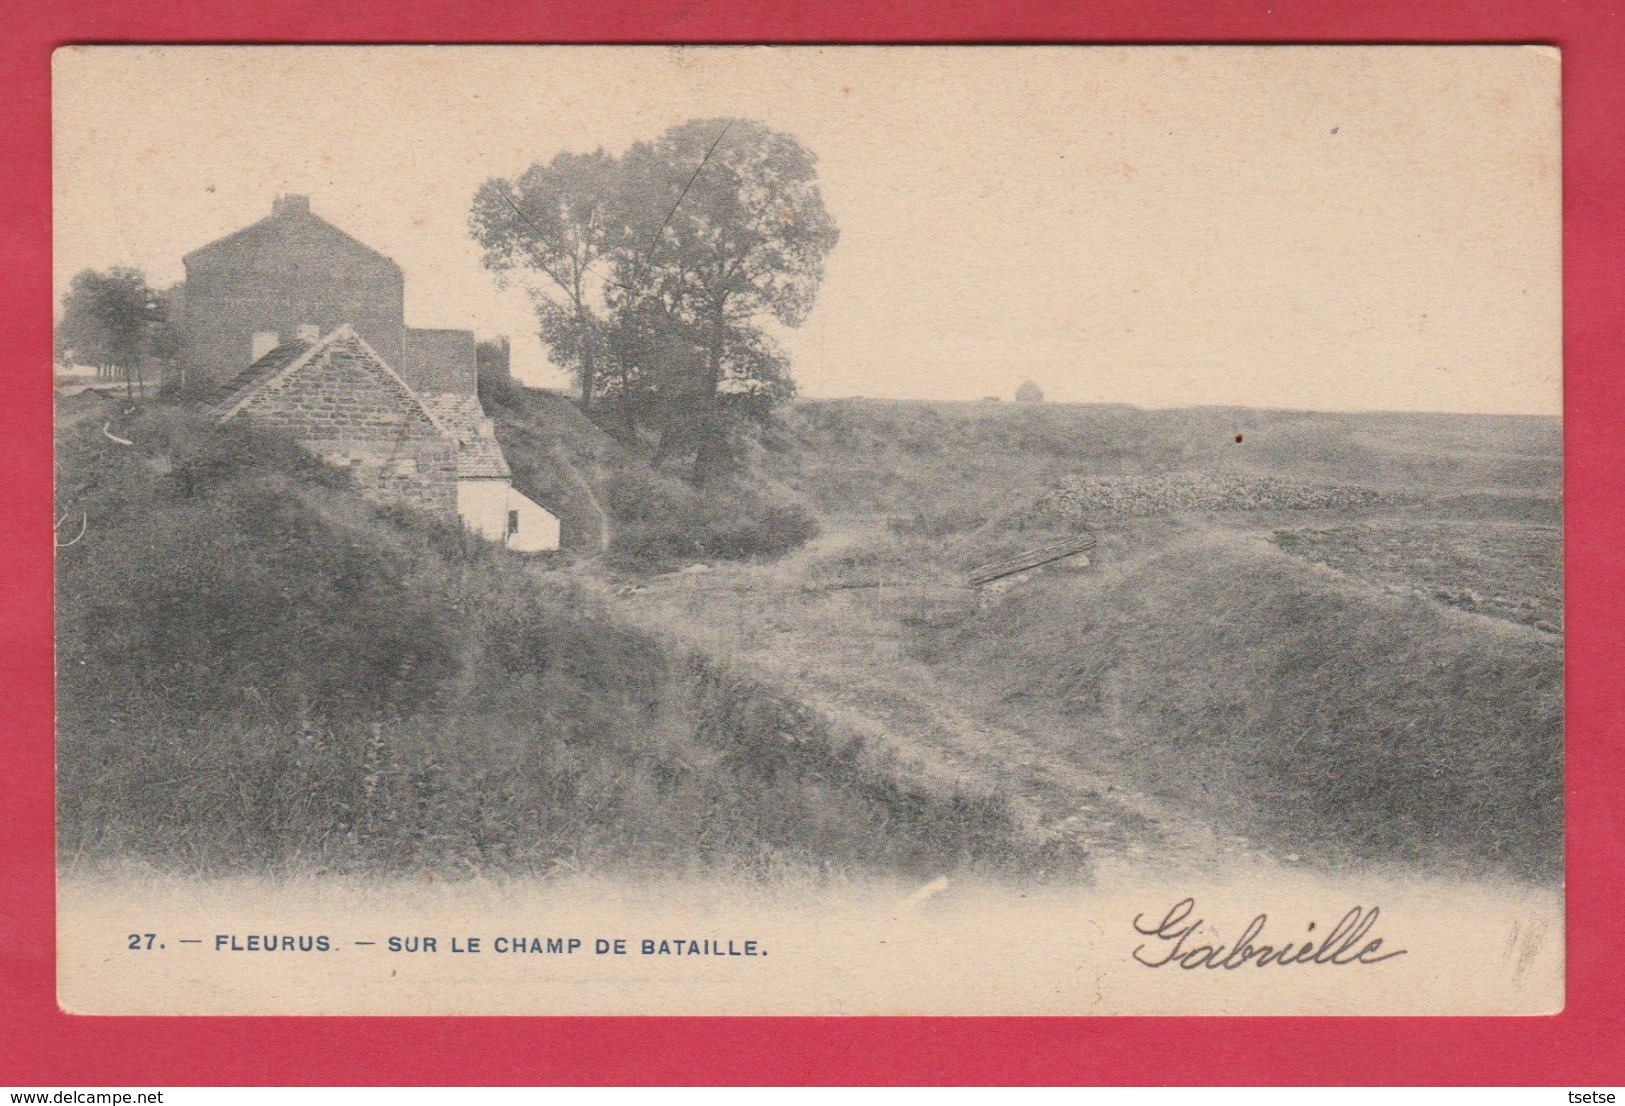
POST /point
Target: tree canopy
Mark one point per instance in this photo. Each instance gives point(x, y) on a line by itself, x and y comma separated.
point(654, 274)
point(115, 319)
point(556, 221)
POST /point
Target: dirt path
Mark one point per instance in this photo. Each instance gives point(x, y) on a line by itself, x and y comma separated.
point(845, 653)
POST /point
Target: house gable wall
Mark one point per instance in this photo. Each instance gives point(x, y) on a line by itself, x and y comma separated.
point(288, 270)
point(441, 362)
point(348, 409)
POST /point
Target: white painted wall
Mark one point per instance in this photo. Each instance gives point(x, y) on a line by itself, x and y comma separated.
point(538, 528)
point(485, 507)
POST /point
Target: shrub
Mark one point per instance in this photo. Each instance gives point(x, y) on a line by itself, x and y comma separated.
point(660, 520)
point(241, 598)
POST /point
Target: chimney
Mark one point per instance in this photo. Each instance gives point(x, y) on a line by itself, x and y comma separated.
point(291, 205)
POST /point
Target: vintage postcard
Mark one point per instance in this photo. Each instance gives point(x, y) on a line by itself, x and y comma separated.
point(840, 531)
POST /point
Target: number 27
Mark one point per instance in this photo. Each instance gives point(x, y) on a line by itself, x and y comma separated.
point(141, 941)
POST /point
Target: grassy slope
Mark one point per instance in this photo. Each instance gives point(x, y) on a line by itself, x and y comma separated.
point(260, 671)
point(558, 458)
point(1318, 713)
point(1308, 710)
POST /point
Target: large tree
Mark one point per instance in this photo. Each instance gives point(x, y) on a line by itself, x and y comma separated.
point(114, 320)
point(657, 272)
point(553, 225)
point(726, 224)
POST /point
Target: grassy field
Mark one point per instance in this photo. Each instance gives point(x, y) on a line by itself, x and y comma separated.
point(893, 456)
point(1328, 641)
point(1333, 641)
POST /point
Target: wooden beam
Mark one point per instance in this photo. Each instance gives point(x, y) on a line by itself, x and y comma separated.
point(1032, 558)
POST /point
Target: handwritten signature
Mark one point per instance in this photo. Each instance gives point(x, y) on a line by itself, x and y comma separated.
point(1341, 945)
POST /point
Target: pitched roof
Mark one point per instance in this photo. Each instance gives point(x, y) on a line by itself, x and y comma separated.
point(232, 391)
point(264, 231)
point(272, 367)
point(478, 454)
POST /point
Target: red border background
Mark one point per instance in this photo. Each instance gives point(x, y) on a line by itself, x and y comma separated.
point(1585, 1044)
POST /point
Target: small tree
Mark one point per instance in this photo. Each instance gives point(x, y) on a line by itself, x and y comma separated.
point(1029, 393)
point(113, 320)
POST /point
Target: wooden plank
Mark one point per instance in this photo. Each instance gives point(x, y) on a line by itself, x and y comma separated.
point(1059, 549)
point(1032, 558)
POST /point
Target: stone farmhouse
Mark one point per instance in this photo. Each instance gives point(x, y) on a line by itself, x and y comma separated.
point(292, 323)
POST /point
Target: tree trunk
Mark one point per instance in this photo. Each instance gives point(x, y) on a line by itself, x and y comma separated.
point(628, 415)
point(710, 447)
point(589, 364)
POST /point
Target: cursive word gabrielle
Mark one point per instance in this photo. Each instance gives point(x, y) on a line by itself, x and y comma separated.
point(1176, 937)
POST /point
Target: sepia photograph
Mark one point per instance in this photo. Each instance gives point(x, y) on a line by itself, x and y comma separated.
point(809, 530)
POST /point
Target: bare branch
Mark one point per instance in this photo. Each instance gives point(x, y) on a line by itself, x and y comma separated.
point(112, 437)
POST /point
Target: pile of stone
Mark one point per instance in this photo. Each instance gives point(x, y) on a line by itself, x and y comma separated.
point(1080, 498)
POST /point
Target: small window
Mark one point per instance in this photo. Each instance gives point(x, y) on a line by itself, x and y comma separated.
point(513, 522)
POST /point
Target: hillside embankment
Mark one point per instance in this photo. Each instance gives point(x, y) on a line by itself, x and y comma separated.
point(1314, 713)
point(261, 672)
point(1333, 641)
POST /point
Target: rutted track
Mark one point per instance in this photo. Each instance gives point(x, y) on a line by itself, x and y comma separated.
point(842, 656)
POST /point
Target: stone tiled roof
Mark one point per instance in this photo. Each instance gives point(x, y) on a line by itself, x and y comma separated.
point(229, 392)
point(461, 416)
point(478, 454)
point(290, 357)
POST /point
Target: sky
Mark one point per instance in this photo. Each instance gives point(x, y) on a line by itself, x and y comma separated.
point(1330, 228)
